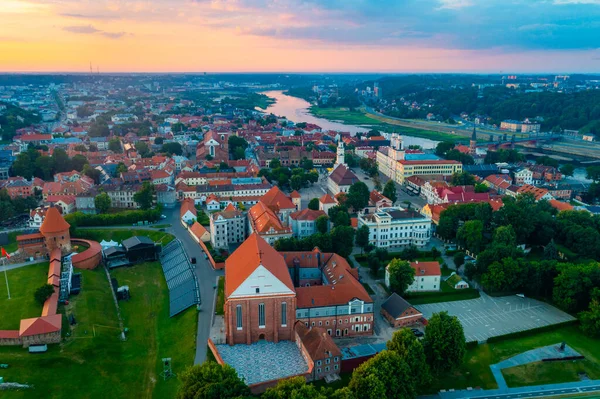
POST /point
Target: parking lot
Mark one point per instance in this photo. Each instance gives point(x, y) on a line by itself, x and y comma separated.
point(487, 317)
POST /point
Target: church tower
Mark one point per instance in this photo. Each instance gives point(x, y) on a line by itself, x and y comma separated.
point(473, 142)
point(341, 154)
point(396, 151)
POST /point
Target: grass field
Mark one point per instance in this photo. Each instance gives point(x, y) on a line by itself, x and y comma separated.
point(475, 372)
point(220, 297)
point(344, 115)
point(550, 372)
point(12, 241)
point(22, 283)
point(122, 234)
point(93, 362)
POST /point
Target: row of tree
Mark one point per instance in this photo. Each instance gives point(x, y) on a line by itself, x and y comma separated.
point(32, 163)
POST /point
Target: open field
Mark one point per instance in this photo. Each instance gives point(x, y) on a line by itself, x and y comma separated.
point(122, 234)
point(475, 372)
point(93, 362)
point(22, 283)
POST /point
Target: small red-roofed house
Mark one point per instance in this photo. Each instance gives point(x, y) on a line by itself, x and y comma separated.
point(428, 277)
point(188, 211)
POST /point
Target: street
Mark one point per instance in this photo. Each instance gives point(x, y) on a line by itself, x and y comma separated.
point(207, 279)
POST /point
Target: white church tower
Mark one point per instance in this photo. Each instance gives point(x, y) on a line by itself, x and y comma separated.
point(396, 151)
point(341, 155)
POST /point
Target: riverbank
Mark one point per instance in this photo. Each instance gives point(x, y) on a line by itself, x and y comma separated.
point(359, 117)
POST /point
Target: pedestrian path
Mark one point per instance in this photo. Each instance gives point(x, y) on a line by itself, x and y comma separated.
point(19, 265)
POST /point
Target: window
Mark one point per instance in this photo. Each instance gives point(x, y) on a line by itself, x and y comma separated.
point(258, 290)
point(318, 362)
point(335, 359)
point(261, 315)
point(318, 370)
point(283, 314)
point(238, 316)
point(327, 360)
point(335, 367)
point(327, 368)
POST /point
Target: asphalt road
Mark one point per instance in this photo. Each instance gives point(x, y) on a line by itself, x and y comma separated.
point(207, 279)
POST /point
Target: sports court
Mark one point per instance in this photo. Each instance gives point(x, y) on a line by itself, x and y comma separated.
point(487, 317)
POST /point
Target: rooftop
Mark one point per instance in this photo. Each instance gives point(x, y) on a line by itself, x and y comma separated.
point(264, 361)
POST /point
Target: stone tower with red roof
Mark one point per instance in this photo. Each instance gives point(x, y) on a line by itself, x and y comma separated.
point(55, 230)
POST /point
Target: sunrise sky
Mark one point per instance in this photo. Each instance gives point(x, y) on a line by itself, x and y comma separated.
point(300, 35)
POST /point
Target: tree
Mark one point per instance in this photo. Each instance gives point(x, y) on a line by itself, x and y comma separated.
point(389, 191)
point(313, 204)
point(23, 166)
point(470, 235)
point(374, 263)
point(358, 195)
point(590, 319)
point(102, 202)
point(505, 235)
point(342, 238)
point(211, 380)
point(505, 275)
point(546, 160)
point(92, 173)
point(275, 163)
point(78, 162)
point(593, 172)
point(44, 167)
point(443, 147)
point(121, 168)
point(463, 179)
point(567, 169)
point(61, 161)
point(99, 128)
point(362, 237)
point(406, 344)
point(322, 224)
point(114, 145)
point(239, 153)
point(43, 293)
point(173, 148)
point(142, 148)
point(295, 387)
point(574, 284)
point(159, 140)
point(296, 182)
point(386, 375)
point(145, 197)
point(550, 251)
point(481, 188)
point(402, 275)
point(459, 259)
point(444, 342)
point(80, 148)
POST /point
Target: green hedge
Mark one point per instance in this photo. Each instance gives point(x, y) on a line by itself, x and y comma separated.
point(433, 297)
point(80, 219)
point(533, 331)
point(471, 344)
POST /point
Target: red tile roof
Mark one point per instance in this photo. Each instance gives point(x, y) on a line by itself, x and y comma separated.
point(276, 200)
point(561, 206)
point(317, 342)
point(54, 222)
point(426, 268)
point(263, 219)
point(342, 176)
point(295, 194)
point(9, 334)
point(307, 214)
point(40, 325)
point(253, 252)
point(198, 230)
point(188, 205)
point(327, 199)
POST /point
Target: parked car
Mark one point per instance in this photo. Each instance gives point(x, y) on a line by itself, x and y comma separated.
point(417, 332)
point(193, 261)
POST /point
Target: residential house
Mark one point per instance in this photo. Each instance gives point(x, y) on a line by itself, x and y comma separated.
point(399, 313)
point(303, 223)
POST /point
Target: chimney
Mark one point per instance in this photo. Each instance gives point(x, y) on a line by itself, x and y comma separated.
point(417, 262)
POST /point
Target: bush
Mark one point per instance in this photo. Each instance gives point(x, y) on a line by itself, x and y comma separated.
point(80, 219)
point(43, 293)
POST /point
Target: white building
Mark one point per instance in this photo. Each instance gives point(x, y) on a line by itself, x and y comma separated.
point(428, 277)
point(523, 176)
point(395, 227)
point(227, 227)
point(303, 223)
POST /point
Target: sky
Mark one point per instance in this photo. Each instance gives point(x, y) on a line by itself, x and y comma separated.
point(495, 36)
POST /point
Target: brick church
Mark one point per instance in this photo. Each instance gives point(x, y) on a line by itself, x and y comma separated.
point(267, 292)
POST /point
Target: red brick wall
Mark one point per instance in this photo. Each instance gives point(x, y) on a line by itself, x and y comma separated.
point(347, 322)
point(60, 240)
point(250, 332)
point(408, 321)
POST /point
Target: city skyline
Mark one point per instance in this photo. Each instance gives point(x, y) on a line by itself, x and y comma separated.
point(300, 36)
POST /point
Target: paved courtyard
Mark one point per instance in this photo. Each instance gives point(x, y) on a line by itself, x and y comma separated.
point(264, 361)
point(487, 317)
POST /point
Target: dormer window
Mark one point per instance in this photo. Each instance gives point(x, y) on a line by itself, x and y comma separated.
point(258, 290)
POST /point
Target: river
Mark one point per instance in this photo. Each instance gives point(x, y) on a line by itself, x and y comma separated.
point(296, 110)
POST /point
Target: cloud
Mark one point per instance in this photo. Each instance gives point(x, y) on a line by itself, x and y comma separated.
point(90, 29)
point(87, 16)
point(454, 4)
point(85, 29)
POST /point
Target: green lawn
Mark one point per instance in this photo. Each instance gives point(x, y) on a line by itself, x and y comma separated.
point(220, 297)
point(94, 362)
point(12, 241)
point(22, 283)
point(344, 115)
point(122, 234)
point(160, 226)
point(550, 372)
point(475, 371)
